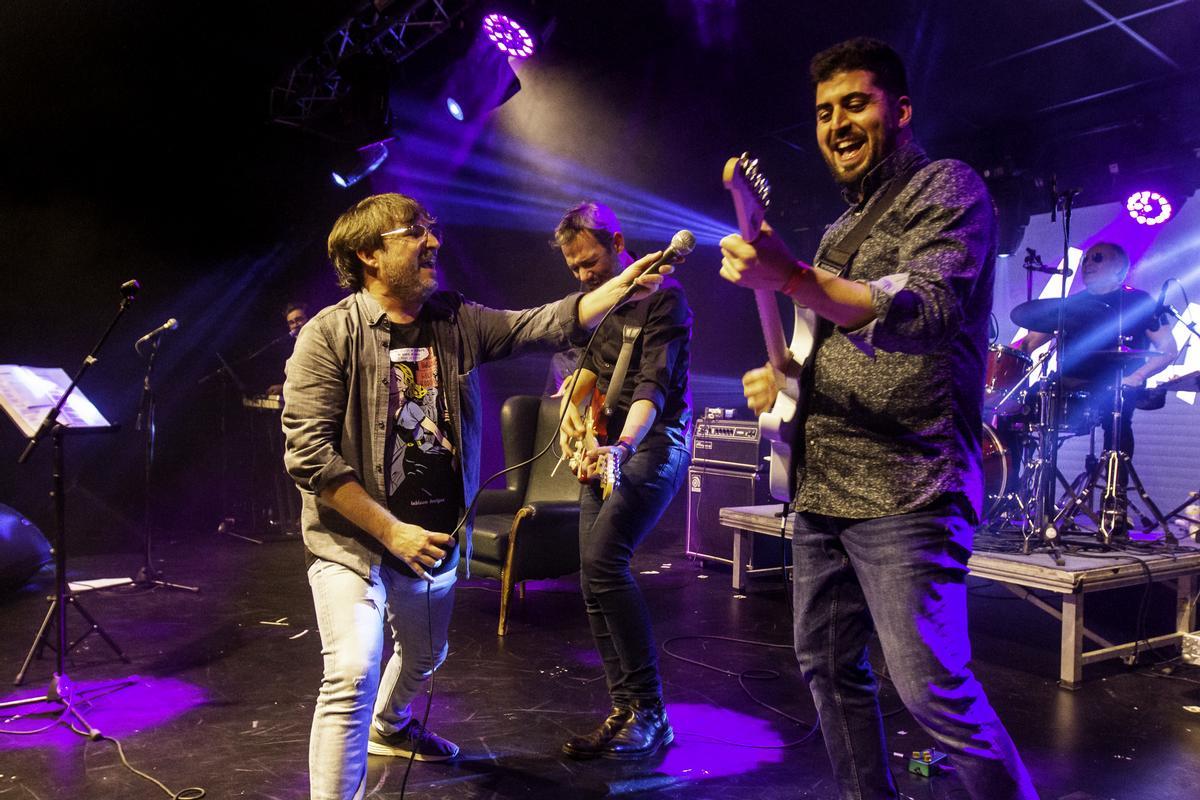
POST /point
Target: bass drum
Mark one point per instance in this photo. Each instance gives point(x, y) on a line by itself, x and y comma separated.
point(998, 472)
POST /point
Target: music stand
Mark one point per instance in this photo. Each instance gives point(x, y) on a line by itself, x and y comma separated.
point(24, 399)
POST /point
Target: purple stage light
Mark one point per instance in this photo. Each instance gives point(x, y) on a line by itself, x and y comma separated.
point(508, 35)
point(1148, 208)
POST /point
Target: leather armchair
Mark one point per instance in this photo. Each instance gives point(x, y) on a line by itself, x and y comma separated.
point(529, 529)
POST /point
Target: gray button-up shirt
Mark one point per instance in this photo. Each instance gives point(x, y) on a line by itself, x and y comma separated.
point(894, 411)
point(335, 414)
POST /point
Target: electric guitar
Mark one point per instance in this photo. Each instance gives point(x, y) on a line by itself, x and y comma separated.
point(751, 195)
point(608, 469)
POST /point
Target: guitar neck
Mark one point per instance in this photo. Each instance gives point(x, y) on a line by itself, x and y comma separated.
point(772, 328)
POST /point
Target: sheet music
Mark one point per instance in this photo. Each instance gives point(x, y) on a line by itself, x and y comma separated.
point(29, 393)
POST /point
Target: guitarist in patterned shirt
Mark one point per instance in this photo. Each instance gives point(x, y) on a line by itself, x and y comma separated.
point(889, 475)
point(647, 438)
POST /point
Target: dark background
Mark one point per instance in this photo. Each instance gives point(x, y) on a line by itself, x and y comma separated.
point(136, 141)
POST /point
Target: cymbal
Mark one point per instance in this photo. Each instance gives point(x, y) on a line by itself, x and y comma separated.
point(1042, 315)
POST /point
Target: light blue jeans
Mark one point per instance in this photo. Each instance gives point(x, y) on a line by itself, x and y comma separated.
point(350, 614)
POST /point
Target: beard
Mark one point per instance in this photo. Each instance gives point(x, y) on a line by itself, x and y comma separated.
point(414, 282)
point(877, 151)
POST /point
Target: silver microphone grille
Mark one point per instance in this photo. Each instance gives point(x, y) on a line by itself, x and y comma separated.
point(683, 243)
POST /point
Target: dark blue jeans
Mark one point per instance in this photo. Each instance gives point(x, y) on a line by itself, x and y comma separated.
point(609, 531)
point(902, 577)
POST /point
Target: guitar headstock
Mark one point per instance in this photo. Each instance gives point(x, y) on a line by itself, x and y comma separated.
point(751, 194)
point(609, 470)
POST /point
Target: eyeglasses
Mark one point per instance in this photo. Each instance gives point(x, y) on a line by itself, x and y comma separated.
point(416, 231)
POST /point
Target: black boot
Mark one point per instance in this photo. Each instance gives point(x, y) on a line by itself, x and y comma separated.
point(591, 745)
point(643, 734)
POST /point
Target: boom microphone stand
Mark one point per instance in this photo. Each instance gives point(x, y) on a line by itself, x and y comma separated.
point(148, 576)
point(1044, 517)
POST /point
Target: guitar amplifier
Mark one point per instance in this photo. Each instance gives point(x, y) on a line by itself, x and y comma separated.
point(711, 489)
point(729, 444)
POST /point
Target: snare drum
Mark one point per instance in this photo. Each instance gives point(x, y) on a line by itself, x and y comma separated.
point(997, 470)
point(1006, 368)
point(1080, 412)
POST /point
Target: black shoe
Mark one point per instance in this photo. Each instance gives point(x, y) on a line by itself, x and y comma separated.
point(643, 734)
point(427, 745)
point(592, 744)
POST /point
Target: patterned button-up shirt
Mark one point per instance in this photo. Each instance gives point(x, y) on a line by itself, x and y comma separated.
point(894, 408)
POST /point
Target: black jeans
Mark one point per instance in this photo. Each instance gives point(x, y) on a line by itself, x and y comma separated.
point(609, 531)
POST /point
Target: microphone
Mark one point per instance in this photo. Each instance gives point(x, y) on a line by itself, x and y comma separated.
point(1162, 306)
point(682, 244)
point(1033, 263)
point(169, 325)
point(130, 288)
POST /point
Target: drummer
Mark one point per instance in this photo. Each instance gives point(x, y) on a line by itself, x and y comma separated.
point(1094, 334)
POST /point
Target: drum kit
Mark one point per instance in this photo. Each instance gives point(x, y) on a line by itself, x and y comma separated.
point(1028, 415)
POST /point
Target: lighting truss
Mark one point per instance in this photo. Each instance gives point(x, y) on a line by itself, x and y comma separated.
point(393, 31)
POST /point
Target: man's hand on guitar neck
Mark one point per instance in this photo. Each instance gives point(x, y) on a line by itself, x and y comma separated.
point(761, 386)
point(767, 263)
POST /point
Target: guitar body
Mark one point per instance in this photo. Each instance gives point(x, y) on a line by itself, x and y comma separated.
point(608, 469)
point(779, 425)
point(750, 193)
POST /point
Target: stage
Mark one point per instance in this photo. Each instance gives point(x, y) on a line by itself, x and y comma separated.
point(227, 678)
point(1071, 574)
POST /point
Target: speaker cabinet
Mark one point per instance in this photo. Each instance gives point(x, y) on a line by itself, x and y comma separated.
point(710, 490)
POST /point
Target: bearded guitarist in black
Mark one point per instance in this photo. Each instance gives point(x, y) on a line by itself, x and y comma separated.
point(646, 439)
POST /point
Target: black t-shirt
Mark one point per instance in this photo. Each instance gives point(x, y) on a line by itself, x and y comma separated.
point(1094, 323)
point(422, 468)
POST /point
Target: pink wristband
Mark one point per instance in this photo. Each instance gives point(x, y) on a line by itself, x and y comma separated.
point(793, 281)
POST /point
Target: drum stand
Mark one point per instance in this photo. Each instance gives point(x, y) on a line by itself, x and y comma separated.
point(1113, 470)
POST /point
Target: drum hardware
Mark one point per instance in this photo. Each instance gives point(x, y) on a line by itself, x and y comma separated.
point(1114, 470)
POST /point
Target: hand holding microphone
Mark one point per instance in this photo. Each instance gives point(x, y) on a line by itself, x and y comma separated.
point(682, 244)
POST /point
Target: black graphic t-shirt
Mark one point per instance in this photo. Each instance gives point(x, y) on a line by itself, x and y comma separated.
point(423, 483)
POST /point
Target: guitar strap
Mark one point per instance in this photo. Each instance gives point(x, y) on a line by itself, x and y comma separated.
point(836, 258)
point(629, 336)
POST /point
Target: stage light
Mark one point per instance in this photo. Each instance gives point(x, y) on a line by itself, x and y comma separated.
point(1148, 208)
point(361, 163)
point(509, 36)
point(455, 109)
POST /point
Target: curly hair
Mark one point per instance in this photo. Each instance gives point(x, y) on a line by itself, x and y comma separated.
point(863, 53)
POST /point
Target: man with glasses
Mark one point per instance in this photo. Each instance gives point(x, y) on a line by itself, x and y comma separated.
point(382, 421)
point(1092, 320)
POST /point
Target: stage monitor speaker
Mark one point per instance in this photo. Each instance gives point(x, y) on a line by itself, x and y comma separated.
point(23, 550)
point(710, 490)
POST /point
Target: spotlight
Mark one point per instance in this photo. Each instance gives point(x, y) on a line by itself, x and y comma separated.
point(361, 163)
point(509, 36)
point(1148, 208)
point(455, 109)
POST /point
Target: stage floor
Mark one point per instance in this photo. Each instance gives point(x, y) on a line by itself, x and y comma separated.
point(223, 700)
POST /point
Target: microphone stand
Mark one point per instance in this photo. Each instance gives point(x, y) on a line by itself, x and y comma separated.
point(147, 575)
point(1046, 517)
